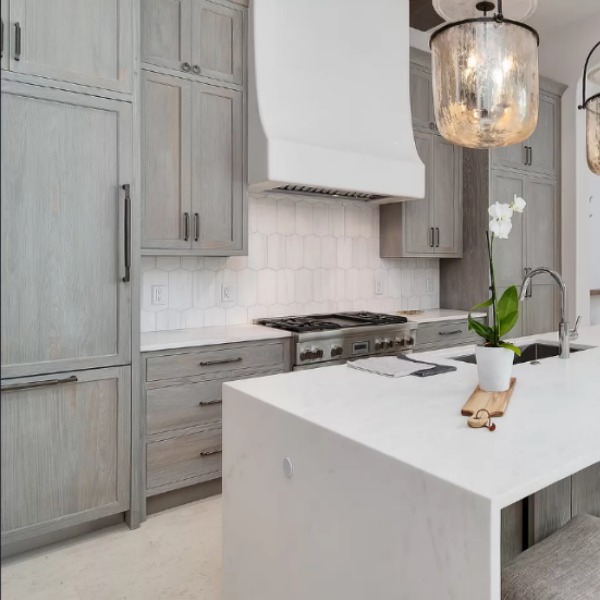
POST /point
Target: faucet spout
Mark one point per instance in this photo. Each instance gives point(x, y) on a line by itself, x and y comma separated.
point(563, 326)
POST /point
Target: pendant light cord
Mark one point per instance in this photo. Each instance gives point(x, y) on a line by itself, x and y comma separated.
point(587, 60)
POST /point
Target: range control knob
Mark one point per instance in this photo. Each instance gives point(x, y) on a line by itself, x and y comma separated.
point(336, 351)
point(389, 343)
point(379, 344)
point(410, 341)
point(319, 353)
point(400, 342)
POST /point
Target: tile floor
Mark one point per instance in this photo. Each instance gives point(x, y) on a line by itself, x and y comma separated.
point(176, 554)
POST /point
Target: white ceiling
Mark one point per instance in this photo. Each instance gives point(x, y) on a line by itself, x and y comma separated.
point(552, 14)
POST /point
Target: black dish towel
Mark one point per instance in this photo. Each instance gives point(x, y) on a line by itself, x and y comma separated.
point(437, 370)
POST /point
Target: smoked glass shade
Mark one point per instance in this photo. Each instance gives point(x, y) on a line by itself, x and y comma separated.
point(592, 109)
point(485, 83)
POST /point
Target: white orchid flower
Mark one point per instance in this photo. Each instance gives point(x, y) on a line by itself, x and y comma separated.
point(501, 228)
point(518, 204)
point(500, 212)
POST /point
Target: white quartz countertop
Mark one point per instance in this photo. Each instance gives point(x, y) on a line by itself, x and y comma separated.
point(208, 336)
point(551, 428)
point(439, 314)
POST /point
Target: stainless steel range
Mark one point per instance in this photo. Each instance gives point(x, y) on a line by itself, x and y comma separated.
point(322, 340)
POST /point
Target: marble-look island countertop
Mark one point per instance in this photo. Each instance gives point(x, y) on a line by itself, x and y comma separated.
point(208, 336)
point(387, 475)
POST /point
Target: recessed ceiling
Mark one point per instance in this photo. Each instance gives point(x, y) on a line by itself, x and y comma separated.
point(422, 15)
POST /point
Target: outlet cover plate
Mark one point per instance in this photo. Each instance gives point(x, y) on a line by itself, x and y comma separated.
point(227, 293)
point(159, 295)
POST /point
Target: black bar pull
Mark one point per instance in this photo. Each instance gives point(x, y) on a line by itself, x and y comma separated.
point(196, 227)
point(17, 41)
point(1, 38)
point(15, 387)
point(437, 237)
point(127, 230)
point(186, 226)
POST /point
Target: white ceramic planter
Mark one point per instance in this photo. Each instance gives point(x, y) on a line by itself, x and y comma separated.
point(494, 366)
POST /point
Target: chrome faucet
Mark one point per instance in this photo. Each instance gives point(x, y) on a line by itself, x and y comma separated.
point(563, 327)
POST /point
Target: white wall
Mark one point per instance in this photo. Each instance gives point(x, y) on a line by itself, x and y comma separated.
point(562, 56)
point(305, 255)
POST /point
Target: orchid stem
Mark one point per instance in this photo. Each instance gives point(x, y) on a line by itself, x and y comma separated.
point(490, 243)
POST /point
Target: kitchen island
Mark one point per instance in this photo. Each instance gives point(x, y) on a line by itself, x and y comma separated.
point(344, 485)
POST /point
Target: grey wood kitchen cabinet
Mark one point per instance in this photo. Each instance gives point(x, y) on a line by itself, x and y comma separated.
point(431, 227)
point(65, 451)
point(198, 37)
point(65, 158)
point(541, 152)
point(194, 198)
point(86, 43)
point(421, 94)
point(183, 407)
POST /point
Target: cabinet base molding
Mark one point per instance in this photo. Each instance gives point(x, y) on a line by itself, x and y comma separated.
point(41, 542)
point(174, 498)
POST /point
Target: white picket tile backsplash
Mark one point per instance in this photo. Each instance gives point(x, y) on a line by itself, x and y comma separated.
point(305, 255)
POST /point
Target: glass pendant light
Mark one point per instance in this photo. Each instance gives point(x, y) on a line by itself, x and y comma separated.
point(592, 130)
point(485, 80)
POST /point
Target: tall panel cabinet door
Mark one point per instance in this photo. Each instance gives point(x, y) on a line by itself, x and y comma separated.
point(217, 178)
point(166, 33)
point(447, 197)
point(416, 222)
point(508, 254)
point(513, 156)
point(218, 41)
point(544, 143)
point(65, 450)
point(542, 249)
point(89, 43)
point(5, 33)
point(166, 168)
point(65, 157)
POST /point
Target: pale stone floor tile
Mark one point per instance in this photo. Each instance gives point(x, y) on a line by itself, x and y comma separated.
point(175, 555)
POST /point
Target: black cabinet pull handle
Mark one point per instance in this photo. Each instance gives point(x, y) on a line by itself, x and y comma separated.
point(186, 226)
point(196, 227)
point(196, 69)
point(17, 41)
point(210, 402)
point(455, 332)
point(220, 361)
point(37, 384)
point(437, 237)
point(431, 237)
point(127, 230)
point(526, 157)
point(1, 38)
point(186, 67)
point(530, 155)
point(211, 452)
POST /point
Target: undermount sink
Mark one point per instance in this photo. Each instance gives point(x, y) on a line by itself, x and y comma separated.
point(529, 352)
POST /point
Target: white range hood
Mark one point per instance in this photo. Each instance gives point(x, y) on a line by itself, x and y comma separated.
point(329, 100)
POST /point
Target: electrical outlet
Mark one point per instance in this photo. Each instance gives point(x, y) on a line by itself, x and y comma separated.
point(159, 295)
point(378, 287)
point(429, 285)
point(227, 293)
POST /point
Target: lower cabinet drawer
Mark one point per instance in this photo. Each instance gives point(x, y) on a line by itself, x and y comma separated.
point(183, 460)
point(444, 334)
point(193, 404)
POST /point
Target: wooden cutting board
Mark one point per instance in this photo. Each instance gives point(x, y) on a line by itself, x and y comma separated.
point(495, 403)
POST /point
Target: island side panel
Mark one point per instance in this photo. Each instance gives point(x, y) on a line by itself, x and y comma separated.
point(350, 523)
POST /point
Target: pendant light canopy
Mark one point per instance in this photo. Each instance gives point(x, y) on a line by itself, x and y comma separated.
point(592, 131)
point(485, 80)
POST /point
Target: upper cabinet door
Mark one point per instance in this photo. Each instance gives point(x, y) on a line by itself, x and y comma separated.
point(5, 34)
point(421, 99)
point(166, 167)
point(65, 157)
point(447, 195)
point(88, 43)
point(513, 156)
point(217, 41)
point(544, 143)
point(217, 176)
point(508, 254)
point(166, 33)
point(417, 231)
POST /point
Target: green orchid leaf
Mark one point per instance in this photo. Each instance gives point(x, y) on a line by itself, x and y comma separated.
point(508, 310)
point(481, 306)
point(480, 329)
point(512, 347)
